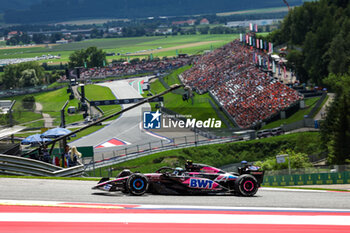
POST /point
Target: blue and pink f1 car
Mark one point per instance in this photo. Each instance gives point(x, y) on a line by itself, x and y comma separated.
point(194, 179)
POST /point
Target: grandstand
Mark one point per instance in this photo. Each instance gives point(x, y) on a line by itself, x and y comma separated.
point(233, 76)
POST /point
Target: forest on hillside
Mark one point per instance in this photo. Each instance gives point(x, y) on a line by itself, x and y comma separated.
point(64, 10)
point(317, 36)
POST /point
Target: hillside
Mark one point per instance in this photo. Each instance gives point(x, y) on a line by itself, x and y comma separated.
point(317, 35)
point(59, 10)
point(16, 4)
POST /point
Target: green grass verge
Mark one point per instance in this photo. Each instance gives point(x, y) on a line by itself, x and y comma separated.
point(199, 109)
point(52, 102)
point(298, 116)
point(96, 92)
point(222, 154)
point(83, 133)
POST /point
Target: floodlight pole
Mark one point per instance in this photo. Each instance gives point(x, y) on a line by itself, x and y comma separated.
point(289, 170)
point(63, 125)
point(63, 122)
point(10, 113)
point(11, 119)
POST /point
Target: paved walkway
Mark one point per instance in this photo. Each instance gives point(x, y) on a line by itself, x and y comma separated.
point(323, 112)
point(11, 130)
point(48, 120)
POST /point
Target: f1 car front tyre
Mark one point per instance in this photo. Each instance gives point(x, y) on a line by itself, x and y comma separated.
point(246, 185)
point(137, 184)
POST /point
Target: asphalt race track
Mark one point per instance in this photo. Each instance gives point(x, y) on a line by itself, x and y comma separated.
point(127, 127)
point(80, 191)
point(41, 206)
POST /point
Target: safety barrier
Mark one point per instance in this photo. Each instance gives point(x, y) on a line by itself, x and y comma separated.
point(15, 165)
point(308, 179)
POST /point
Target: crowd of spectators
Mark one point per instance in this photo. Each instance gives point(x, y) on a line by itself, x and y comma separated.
point(126, 68)
point(232, 75)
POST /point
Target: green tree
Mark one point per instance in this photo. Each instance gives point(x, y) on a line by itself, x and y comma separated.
point(28, 102)
point(295, 59)
point(335, 130)
point(15, 78)
point(297, 160)
point(204, 30)
point(28, 78)
point(39, 38)
point(93, 57)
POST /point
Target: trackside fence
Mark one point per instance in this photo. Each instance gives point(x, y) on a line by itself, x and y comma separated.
point(337, 174)
point(15, 165)
point(308, 179)
point(108, 158)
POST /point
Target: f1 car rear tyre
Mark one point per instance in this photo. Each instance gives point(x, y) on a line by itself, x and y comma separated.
point(246, 185)
point(137, 184)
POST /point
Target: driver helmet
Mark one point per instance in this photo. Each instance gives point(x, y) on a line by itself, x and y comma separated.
point(244, 163)
point(189, 164)
point(178, 170)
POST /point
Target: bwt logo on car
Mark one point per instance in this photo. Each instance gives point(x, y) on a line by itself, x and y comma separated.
point(201, 183)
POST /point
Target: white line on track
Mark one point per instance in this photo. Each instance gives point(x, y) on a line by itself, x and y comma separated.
point(168, 207)
point(176, 218)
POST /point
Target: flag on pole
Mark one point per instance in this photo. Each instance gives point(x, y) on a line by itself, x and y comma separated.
point(256, 28)
point(250, 40)
point(259, 60)
point(250, 27)
point(271, 47)
point(261, 44)
point(257, 43)
point(240, 37)
point(253, 40)
point(279, 69)
point(273, 66)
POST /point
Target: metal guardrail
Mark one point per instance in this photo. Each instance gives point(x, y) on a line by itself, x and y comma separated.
point(14, 165)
